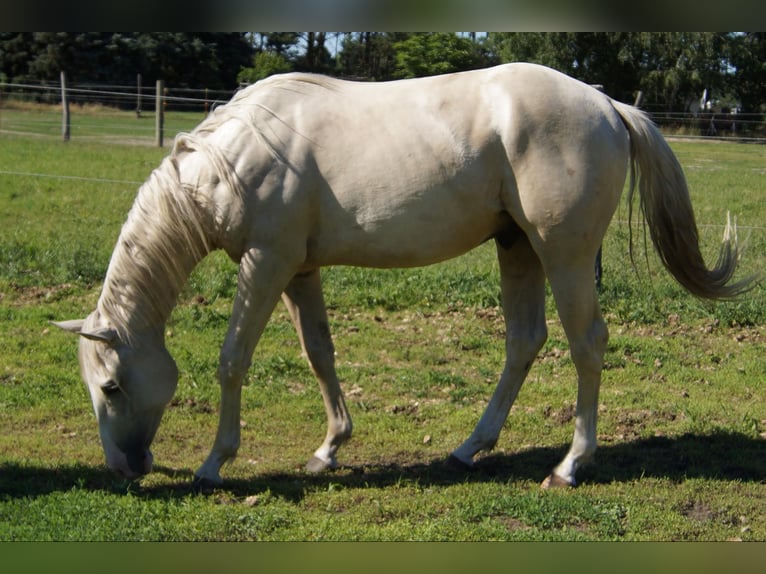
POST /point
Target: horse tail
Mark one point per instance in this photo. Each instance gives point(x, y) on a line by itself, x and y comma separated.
point(668, 213)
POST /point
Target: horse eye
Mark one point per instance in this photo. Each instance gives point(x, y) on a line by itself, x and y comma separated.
point(110, 387)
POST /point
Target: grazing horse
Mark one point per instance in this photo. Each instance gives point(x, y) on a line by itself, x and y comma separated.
point(301, 171)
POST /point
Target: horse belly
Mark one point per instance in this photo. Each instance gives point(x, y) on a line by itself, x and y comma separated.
point(405, 235)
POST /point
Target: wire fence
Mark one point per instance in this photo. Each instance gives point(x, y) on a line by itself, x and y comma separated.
point(101, 110)
point(112, 113)
point(712, 124)
point(138, 97)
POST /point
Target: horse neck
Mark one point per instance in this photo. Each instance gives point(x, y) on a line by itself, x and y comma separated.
point(161, 242)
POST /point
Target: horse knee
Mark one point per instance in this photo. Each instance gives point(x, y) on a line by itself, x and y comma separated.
point(340, 430)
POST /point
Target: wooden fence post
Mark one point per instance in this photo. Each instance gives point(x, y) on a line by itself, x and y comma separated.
point(159, 113)
point(65, 106)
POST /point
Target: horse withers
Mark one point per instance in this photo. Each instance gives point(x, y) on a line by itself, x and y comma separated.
point(300, 171)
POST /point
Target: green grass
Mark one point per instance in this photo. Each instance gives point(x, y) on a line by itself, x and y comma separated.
point(682, 421)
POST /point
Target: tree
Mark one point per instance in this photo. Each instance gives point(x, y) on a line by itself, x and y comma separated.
point(315, 57)
point(182, 59)
point(283, 43)
point(16, 50)
point(677, 66)
point(671, 68)
point(604, 58)
point(748, 59)
point(264, 65)
point(437, 53)
point(369, 55)
point(77, 54)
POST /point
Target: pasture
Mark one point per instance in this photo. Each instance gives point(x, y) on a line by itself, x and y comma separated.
point(682, 426)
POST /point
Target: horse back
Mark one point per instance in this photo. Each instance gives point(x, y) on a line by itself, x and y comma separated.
point(416, 171)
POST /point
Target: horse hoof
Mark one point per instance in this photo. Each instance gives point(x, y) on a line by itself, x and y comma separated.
point(454, 463)
point(203, 485)
point(555, 481)
point(317, 465)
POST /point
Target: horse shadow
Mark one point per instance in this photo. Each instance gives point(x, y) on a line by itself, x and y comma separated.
point(718, 456)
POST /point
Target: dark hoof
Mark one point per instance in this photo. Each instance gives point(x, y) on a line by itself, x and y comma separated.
point(454, 463)
point(555, 481)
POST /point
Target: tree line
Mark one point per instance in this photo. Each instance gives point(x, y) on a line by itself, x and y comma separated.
point(671, 69)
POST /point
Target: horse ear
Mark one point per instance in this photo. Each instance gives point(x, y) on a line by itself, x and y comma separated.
point(105, 334)
point(74, 326)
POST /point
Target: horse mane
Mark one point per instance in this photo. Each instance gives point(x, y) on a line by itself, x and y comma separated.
point(162, 239)
point(171, 227)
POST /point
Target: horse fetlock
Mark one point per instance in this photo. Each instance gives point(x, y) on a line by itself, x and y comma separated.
point(462, 457)
point(341, 433)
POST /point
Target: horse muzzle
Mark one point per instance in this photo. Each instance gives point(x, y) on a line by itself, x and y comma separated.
point(131, 465)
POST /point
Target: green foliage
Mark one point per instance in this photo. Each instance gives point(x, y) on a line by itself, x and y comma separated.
point(671, 68)
point(182, 59)
point(264, 65)
point(748, 53)
point(436, 53)
point(369, 55)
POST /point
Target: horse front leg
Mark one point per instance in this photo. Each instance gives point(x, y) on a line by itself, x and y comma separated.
point(305, 302)
point(262, 277)
point(523, 299)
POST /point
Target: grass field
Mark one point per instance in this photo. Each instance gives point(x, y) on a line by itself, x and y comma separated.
point(682, 418)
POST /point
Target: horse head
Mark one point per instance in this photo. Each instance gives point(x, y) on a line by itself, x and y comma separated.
point(130, 385)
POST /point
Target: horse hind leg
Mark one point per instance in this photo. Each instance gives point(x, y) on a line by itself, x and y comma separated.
point(305, 303)
point(576, 299)
point(523, 301)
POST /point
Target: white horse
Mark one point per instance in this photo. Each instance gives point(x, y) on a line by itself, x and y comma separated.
point(302, 171)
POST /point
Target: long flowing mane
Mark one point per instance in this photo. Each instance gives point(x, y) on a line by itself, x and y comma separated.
point(172, 225)
point(162, 239)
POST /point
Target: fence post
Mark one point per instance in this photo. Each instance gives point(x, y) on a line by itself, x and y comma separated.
point(159, 113)
point(65, 106)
